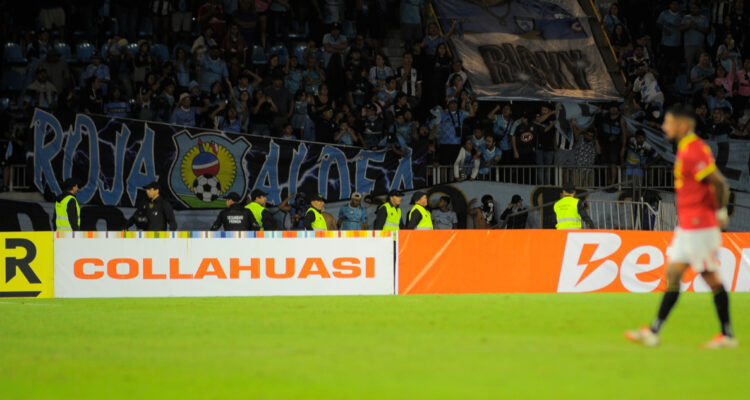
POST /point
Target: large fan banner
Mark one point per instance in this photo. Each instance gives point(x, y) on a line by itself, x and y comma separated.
point(527, 49)
point(196, 168)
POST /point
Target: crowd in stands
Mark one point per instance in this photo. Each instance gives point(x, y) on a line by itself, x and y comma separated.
point(316, 70)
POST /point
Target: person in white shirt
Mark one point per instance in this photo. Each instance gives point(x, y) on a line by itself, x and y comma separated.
point(467, 162)
point(648, 87)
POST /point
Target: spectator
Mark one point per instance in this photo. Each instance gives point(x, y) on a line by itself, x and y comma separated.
point(702, 120)
point(182, 20)
point(612, 19)
point(229, 120)
point(117, 107)
point(410, 78)
point(490, 155)
point(545, 142)
point(503, 127)
point(185, 113)
point(283, 100)
point(719, 100)
point(380, 72)
point(388, 93)
point(724, 80)
point(612, 139)
point(485, 215)
point(212, 14)
point(57, 70)
point(466, 165)
point(182, 67)
point(279, 14)
point(695, 27)
point(443, 217)
point(719, 127)
point(348, 136)
point(160, 18)
point(453, 127)
point(477, 138)
point(634, 60)
point(313, 75)
point(620, 39)
point(412, 15)
point(98, 69)
point(437, 75)
point(372, 127)
point(352, 216)
point(727, 55)
point(335, 45)
point(511, 216)
point(39, 48)
point(585, 150)
point(41, 93)
point(640, 155)
point(669, 22)
point(402, 128)
point(52, 15)
point(288, 133)
point(743, 84)
point(213, 69)
point(524, 140)
point(434, 39)
point(457, 70)
point(234, 44)
point(454, 91)
point(651, 96)
point(91, 100)
point(204, 42)
point(263, 112)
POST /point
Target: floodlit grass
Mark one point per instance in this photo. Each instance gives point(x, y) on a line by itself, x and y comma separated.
point(455, 347)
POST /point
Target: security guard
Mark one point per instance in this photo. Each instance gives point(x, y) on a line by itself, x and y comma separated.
point(67, 210)
point(570, 211)
point(258, 208)
point(419, 218)
point(158, 210)
point(235, 217)
point(388, 216)
point(314, 220)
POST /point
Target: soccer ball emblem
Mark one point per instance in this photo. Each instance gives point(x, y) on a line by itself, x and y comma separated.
point(207, 188)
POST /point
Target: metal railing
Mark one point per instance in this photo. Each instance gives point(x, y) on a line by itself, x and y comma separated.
point(18, 178)
point(593, 176)
point(632, 215)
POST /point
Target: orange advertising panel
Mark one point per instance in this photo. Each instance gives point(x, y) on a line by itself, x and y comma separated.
point(549, 261)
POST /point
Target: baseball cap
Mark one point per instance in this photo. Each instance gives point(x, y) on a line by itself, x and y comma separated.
point(183, 96)
point(395, 193)
point(257, 193)
point(356, 196)
point(193, 84)
point(317, 197)
point(233, 196)
point(416, 196)
point(335, 25)
point(452, 100)
point(516, 198)
point(152, 185)
point(569, 187)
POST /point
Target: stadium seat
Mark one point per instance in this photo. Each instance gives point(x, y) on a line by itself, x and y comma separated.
point(259, 56)
point(4, 103)
point(160, 51)
point(65, 52)
point(84, 51)
point(298, 32)
point(12, 81)
point(281, 51)
point(13, 54)
point(347, 28)
point(298, 51)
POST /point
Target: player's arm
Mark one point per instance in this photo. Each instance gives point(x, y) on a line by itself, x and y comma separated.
point(721, 191)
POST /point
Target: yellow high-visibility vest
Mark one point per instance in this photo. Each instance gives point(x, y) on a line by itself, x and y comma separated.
point(257, 211)
point(320, 223)
point(393, 219)
point(62, 222)
point(566, 210)
point(425, 224)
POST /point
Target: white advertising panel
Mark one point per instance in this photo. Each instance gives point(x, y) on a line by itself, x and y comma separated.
point(165, 267)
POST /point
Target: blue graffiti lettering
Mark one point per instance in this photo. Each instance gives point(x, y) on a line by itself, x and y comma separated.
point(328, 157)
point(143, 171)
point(363, 183)
point(298, 156)
point(83, 125)
point(403, 175)
point(270, 173)
point(112, 197)
point(44, 153)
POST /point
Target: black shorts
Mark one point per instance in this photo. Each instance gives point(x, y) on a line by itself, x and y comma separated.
point(611, 153)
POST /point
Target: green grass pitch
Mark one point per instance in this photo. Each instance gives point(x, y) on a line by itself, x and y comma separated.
point(452, 347)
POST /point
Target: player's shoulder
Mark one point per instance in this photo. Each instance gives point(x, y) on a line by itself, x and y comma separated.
point(694, 145)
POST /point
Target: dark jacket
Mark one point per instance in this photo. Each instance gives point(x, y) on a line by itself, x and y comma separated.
point(235, 218)
point(160, 214)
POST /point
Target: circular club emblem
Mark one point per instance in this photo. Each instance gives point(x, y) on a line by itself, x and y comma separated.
point(527, 136)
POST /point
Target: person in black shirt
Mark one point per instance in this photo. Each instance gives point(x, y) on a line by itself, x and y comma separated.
point(524, 140)
point(612, 139)
point(139, 217)
point(91, 98)
point(719, 128)
point(325, 127)
point(515, 221)
point(158, 210)
point(545, 152)
point(394, 200)
point(235, 217)
point(70, 188)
